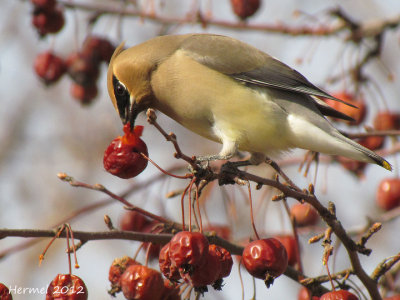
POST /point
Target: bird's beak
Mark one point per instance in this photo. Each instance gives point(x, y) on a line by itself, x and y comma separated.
point(129, 113)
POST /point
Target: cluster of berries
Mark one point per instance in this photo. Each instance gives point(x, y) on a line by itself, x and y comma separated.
point(139, 282)
point(384, 120)
point(83, 67)
point(190, 257)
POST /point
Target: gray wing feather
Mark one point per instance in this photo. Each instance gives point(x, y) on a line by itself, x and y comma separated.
point(247, 64)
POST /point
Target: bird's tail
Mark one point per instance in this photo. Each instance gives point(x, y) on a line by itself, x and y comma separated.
point(364, 154)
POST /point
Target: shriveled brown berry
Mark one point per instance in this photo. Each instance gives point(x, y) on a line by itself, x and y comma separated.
point(49, 67)
point(68, 287)
point(265, 259)
point(118, 267)
point(224, 258)
point(188, 250)
point(122, 157)
point(206, 274)
point(141, 282)
point(168, 269)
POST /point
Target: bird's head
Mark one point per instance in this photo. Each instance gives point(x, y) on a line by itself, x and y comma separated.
point(128, 82)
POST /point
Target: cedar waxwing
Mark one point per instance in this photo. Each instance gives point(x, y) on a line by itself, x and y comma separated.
point(229, 92)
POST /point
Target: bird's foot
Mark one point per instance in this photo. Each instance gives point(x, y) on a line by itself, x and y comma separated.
point(237, 164)
point(229, 171)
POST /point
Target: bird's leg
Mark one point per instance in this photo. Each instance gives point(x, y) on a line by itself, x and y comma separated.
point(257, 158)
point(213, 157)
point(229, 149)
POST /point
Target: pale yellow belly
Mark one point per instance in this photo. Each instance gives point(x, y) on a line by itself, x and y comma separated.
point(217, 107)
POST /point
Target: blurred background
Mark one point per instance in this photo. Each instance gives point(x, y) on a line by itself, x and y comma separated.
point(44, 131)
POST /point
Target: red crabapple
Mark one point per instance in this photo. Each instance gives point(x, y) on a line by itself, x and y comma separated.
point(245, 8)
point(141, 282)
point(265, 259)
point(122, 158)
point(67, 287)
point(339, 295)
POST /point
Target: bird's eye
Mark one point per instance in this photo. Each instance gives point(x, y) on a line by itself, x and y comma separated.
point(122, 98)
point(120, 89)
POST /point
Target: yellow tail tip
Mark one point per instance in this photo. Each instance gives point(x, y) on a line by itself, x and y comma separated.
point(386, 165)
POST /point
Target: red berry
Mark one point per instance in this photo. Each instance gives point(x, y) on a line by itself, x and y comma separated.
point(49, 67)
point(67, 287)
point(84, 93)
point(224, 258)
point(222, 231)
point(118, 267)
point(395, 297)
point(354, 166)
point(206, 274)
point(48, 21)
point(5, 293)
point(339, 295)
point(83, 69)
point(358, 114)
point(289, 242)
point(151, 226)
point(304, 214)
point(166, 267)
point(305, 294)
point(372, 142)
point(388, 194)
point(141, 282)
point(188, 250)
point(47, 5)
point(152, 250)
point(122, 158)
point(171, 291)
point(98, 48)
point(245, 8)
point(386, 120)
point(265, 259)
point(133, 221)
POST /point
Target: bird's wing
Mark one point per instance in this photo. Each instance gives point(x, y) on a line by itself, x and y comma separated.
point(248, 64)
point(329, 111)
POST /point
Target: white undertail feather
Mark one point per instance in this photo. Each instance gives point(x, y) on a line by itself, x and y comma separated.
point(309, 136)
